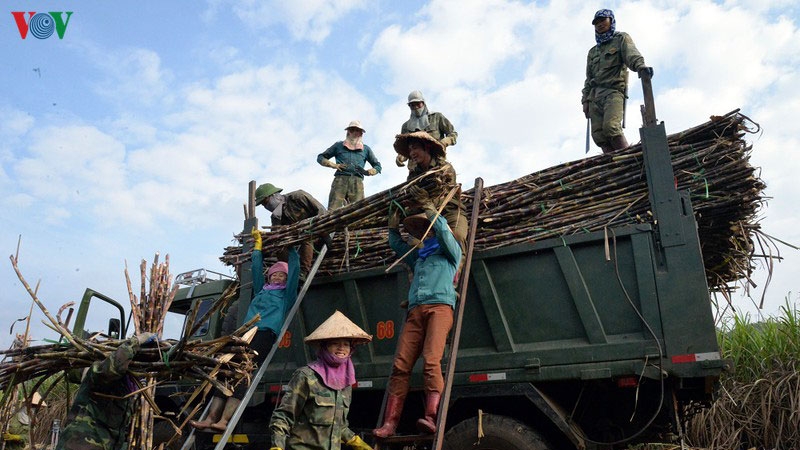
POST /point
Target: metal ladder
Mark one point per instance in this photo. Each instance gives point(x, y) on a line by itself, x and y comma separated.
point(455, 336)
point(250, 222)
point(262, 369)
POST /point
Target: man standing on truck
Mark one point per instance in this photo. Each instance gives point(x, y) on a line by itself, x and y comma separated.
point(288, 209)
point(351, 155)
point(435, 124)
point(431, 300)
point(101, 413)
point(606, 87)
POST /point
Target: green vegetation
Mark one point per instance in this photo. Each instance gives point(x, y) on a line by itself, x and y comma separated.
point(759, 403)
point(54, 390)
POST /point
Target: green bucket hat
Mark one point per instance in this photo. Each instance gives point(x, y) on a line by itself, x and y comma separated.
point(264, 191)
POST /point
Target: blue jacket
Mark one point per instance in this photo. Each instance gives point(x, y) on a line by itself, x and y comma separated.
point(272, 305)
point(433, 276)
point(353, 159)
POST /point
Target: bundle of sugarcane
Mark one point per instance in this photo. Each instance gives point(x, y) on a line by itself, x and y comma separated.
point(197, 360)
point(221, 363)
point(711, 161)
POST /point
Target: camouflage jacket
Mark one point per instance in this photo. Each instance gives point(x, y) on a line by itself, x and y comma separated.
point(447, 181)
point(299, 205)
point(99, 417)
point(439, 127)
point(311, 416)
point(607, 66)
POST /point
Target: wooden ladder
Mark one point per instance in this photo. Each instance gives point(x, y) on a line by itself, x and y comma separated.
point(455, 337)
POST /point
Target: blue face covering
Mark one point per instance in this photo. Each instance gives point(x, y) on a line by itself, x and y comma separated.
point(603, 37)
point(429, 246)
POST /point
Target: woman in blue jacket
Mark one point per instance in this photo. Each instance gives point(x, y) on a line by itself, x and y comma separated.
point(271, 303)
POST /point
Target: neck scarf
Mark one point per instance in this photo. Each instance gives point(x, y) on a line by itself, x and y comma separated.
point(429, 246)
point(419, 122)
point(353, 142)
point(277, 213)
point(337, 373)
point(273, 287)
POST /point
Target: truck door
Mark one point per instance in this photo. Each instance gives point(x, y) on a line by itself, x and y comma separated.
point(99, 314)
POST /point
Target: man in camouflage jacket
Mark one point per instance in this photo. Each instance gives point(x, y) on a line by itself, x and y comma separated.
point(101, 413)
point(606, 86)
point(288, 209)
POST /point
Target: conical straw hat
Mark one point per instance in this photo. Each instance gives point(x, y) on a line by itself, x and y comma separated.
point(338, 326)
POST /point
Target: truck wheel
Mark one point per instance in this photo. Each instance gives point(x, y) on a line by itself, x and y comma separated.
point(499, 433)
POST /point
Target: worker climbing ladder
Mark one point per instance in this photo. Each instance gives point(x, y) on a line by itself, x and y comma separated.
point(250, 222)
point(450, 361)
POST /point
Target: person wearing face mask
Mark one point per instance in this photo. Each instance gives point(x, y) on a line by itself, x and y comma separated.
point(271, 302)
point(288, 209)
point(606, 86)
point(350, 157)
point(431, 299)
point(433, 123)
point(312, 415)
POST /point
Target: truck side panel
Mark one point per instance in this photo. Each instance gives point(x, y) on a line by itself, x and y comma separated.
point(561, 308)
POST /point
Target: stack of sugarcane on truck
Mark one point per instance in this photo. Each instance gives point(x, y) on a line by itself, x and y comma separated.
point(568, 344)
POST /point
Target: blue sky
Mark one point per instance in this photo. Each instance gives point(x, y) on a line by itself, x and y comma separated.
point(138, 131)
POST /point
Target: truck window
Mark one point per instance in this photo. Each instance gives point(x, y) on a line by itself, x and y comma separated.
point(173, 325)
point(203, 307)
point(97, 321)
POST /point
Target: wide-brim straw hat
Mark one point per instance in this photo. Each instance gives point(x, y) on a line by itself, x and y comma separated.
point(356, 124)
point(416, 225)
point(338, 326)
point(435, 148)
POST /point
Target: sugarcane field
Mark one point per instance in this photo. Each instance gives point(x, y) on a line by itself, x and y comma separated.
point(432, 225)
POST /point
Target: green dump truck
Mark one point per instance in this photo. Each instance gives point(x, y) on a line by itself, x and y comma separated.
point(588, 341)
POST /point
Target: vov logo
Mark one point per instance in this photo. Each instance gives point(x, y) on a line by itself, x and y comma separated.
point(42, 25)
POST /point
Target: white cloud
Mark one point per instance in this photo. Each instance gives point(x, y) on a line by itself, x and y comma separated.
point(75, 163)
point(452, 43)
point(134, 77)
point(14, 123)
point(305, 19)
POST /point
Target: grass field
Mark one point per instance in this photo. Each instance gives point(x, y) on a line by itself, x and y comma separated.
point(759, 403)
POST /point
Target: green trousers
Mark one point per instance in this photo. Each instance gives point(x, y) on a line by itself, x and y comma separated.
point(345, 190)
point(606, 115)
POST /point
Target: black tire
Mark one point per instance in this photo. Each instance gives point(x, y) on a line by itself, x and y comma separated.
point(500, 433)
